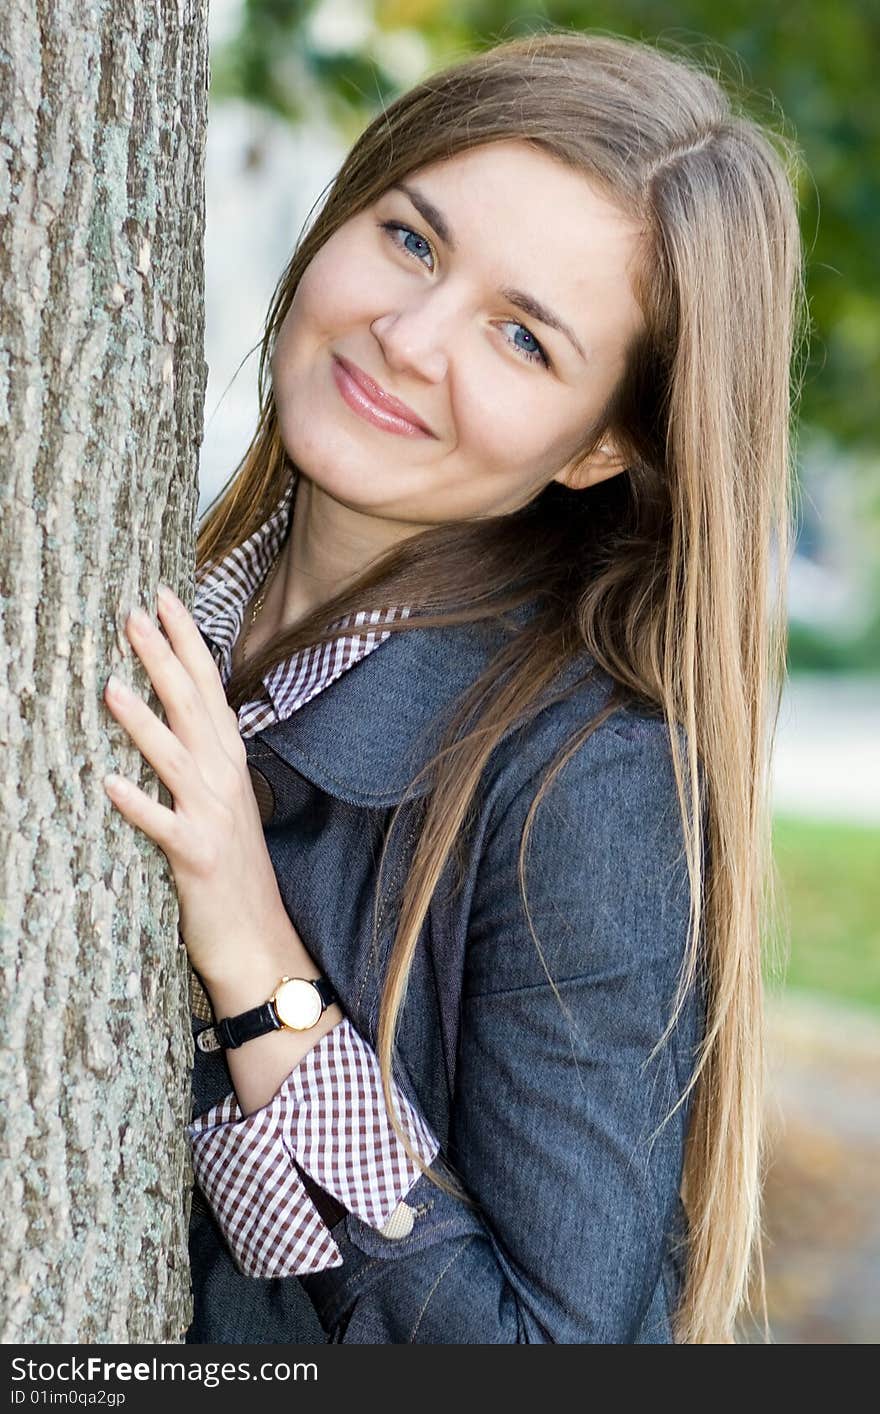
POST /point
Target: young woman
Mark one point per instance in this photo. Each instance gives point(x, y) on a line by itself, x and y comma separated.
point(472, 726)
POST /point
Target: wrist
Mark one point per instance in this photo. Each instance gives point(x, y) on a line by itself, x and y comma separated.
point(259, 1066)
point(254, 980)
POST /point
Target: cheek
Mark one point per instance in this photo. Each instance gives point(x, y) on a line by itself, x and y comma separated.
point(336, 292)
point(323, 300)
point(508, 428)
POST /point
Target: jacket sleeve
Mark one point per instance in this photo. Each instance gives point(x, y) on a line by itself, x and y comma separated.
point(555, 1104)
point(328, 1117)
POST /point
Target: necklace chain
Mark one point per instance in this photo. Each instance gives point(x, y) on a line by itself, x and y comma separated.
point(258, 604)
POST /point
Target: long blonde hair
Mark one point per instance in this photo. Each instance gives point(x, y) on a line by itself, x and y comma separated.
point(663, 573)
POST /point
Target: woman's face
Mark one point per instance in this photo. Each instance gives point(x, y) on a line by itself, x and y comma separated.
point(415, 291)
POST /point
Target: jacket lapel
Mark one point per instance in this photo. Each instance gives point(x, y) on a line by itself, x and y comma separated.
point(365, 737)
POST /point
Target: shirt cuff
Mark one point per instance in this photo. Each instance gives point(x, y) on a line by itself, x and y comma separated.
point(329, 1116)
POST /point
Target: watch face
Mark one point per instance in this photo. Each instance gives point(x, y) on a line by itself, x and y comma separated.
point(298, 1004)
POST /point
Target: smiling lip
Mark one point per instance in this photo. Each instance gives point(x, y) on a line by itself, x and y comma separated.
point(373, 403)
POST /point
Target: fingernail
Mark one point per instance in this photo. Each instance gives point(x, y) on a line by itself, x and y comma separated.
point(168, 598)
point(117, 688)
point(141, 619)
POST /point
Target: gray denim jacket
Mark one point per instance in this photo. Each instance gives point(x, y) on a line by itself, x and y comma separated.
point(541, 1102)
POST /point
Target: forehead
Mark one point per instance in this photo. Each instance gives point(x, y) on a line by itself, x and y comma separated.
point(524, 218)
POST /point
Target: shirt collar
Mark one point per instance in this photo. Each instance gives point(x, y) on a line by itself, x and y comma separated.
point(224, 587)
point(366, 737)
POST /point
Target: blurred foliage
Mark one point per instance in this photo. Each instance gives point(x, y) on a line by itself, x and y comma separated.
point(830, 889)
point(284, 59)
point(815, 649)
point(810, 68)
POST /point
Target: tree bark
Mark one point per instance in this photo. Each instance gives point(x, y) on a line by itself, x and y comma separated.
point(102, 381)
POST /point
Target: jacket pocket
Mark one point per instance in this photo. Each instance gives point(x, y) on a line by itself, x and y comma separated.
point(386, 1304)
point(426, 1216)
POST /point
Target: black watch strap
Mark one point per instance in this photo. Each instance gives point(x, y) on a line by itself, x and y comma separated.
point(233, 1031)
point(326, 990)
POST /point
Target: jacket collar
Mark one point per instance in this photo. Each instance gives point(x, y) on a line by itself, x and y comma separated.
point(365, 737)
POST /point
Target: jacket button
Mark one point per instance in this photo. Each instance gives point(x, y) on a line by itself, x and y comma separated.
point(400, 1224)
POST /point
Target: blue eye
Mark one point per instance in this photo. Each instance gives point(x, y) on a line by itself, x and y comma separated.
point(531, 355)
point(393, 228)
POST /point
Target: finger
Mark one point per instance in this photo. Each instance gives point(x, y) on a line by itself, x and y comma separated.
point(154, 819)
point(189, 715)
point(193, 652)
point(157, 743)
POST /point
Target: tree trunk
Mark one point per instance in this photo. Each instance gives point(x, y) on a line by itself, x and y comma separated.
point(102, 380)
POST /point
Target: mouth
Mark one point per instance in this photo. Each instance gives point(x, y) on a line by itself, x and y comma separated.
point(370, 401)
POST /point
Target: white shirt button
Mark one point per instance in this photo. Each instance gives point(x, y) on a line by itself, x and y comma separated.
point(400, 1224)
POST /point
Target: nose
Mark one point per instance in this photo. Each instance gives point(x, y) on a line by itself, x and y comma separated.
point(412, 340)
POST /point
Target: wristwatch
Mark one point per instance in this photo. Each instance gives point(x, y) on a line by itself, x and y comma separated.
point(297, 1004)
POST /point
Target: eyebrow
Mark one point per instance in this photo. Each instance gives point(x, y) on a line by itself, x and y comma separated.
point(526, 302)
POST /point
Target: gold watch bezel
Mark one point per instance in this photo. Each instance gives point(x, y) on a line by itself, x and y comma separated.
point(284, 995)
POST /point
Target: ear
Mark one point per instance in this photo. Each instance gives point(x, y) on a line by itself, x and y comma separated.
point(582, 472)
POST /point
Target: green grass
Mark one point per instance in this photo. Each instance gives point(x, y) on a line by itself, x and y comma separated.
point(829, 885)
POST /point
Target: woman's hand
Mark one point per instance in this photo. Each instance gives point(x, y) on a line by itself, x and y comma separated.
point(213, 839)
